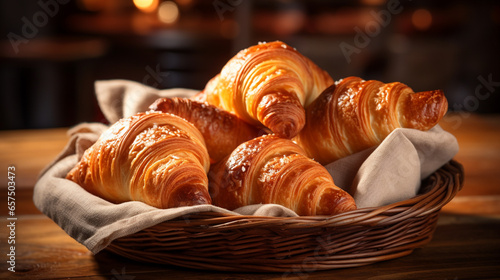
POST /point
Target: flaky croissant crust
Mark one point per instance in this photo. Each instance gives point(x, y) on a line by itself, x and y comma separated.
point(354, 114)
point(156, 158)
point(268, 84)
point(221, 130)
point(270, 169)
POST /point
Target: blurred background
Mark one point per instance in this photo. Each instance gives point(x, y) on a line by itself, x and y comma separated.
point(52, 51)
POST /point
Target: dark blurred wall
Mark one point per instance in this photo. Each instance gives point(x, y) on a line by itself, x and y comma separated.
point(52, 51)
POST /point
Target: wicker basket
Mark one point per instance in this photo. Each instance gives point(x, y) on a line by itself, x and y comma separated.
point(222, 242)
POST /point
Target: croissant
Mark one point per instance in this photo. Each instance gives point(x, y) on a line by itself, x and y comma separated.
point(221, 130)
point(268, 84)
point(354, 114)
point(270, 169)
point(159, 159)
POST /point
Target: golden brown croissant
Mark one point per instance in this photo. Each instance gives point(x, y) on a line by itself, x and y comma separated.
point(159, 159)
point(268, 84)
point(222, 130)
point(270, 169)
point(354, 114)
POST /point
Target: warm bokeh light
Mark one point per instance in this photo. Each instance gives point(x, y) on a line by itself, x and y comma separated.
point(146, 5)
point(421, 19)
point(168, 12)
point(373, 2)
point(289, 21)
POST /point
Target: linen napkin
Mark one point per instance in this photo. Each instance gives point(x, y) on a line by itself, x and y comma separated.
point(377, 176)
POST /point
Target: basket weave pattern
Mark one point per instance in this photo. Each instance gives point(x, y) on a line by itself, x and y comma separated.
point(223, 242)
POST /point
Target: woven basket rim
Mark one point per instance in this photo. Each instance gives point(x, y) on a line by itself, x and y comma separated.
point(418, 204)
point(222, 242)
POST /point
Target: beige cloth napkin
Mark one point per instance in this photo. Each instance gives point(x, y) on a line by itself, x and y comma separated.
point(377, 176)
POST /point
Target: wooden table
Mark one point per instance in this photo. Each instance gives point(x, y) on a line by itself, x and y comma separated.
point(466, 244)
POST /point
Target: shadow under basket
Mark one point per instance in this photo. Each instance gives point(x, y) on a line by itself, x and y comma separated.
point(222, 242)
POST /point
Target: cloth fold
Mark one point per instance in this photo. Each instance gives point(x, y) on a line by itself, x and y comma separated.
point(377, 176)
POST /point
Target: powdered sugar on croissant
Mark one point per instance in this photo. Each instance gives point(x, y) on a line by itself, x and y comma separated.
point(270, 169)
point(156, 158)
point(268, 84)
point(222, 130)
point(354, 114)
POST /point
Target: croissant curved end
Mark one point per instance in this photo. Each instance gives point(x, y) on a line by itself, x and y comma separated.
point(423, 110)
point(342, 203)
point(293, 115)
point(189, 195)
